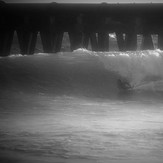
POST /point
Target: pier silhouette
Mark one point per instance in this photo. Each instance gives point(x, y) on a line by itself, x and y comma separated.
point(82, 22)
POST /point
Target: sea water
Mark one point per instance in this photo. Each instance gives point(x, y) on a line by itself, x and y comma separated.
point(68, 108)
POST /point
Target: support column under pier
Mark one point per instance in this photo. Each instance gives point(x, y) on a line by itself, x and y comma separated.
point(32, 42)
point(103, 41)
point(93, 40)
point(51, 40)
point(160, 41)
point(85, 42)
point(75, 40)
point(46, 41)
point(27, 41)
point(94, 43)
point(147, 43)
point(58, 41)
point(6, 38)
point(131, 41)
point(120, 41)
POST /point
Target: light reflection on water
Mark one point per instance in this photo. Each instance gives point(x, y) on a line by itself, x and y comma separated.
point(69, 128)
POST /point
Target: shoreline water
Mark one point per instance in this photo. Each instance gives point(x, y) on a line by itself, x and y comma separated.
point(68, 109)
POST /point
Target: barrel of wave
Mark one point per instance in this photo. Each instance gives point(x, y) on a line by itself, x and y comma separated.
point(135, 68)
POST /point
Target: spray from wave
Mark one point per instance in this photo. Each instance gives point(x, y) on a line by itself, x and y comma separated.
point(82, 72)
point(142, 69)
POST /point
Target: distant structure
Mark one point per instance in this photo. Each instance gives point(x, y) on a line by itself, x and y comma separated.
point(83, 22)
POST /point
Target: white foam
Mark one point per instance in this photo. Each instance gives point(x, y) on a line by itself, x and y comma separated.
point(140, 68)
point(81, 50)
point(42, 54)
point(135, 66)
point(16, 55)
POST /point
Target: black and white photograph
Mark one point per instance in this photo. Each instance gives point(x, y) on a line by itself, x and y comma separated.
point(81, 81)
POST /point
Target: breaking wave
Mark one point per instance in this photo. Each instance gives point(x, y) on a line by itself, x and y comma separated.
point(82, 72)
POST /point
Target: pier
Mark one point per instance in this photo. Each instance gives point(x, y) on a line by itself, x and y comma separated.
point(84, 23)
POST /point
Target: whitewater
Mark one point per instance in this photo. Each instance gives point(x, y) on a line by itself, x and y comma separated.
point(68, 107)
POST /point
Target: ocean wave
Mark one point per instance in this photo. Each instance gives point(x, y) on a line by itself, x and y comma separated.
point(83, 71)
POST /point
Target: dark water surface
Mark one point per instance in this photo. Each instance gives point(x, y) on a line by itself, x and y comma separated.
point(68, 108)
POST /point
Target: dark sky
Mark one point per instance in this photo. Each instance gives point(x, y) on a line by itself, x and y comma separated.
point(85, 1)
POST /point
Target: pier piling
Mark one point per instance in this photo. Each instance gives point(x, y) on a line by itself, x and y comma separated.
point(6, 38)
point(120, 41)
point(160, 41)
point(84, 23)
point(103, 41)
point(147, 43)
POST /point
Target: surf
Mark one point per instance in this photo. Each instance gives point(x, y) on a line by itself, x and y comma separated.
point(83, 72)
point(68, 106)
